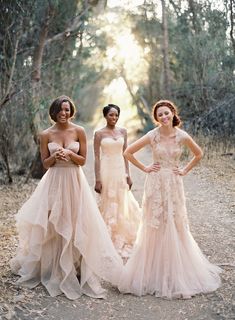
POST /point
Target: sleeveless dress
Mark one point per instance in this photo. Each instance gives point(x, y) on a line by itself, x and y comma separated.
point(166, 261)
point(117, 204)
point(63, 240)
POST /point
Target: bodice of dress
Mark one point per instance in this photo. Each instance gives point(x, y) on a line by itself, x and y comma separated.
point(167, 154)
point(112, 148)
point(73, 146)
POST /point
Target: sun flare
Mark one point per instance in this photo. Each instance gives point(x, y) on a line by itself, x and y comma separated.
point(125, 57)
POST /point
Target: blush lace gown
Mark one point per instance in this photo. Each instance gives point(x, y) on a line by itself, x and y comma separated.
point(63, 240)
point(166, 261)
point(117, 204)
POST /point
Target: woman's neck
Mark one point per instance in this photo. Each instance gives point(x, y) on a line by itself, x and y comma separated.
point(62, 126)
point(167, 131)
point(110, 127)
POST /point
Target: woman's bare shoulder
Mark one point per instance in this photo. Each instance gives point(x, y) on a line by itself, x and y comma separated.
point(77, 128)
point(100, 132)
point(46, 133)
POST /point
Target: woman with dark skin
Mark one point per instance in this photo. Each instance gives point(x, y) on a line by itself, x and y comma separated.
point(116, 202)
point(63, 241)
point(166, 261)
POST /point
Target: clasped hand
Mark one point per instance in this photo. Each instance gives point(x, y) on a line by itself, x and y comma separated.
point(62, 154)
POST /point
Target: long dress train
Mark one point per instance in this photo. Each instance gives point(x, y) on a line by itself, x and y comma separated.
point(63, 240)
point(117, 204)
point(166, 261)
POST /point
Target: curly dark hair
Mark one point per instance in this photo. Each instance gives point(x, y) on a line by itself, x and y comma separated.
point(110, 106)
point(171, 106)
point(55, 107)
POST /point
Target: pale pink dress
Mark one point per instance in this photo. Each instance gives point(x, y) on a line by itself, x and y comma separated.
point(166, 261)
point(119, 208)
point(63, 240)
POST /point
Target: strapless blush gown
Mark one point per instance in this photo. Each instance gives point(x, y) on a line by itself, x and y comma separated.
point(117, 204)
point(63, 240)
point(166, 261)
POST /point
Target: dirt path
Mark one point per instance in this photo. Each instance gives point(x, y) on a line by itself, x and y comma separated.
point(211, 207)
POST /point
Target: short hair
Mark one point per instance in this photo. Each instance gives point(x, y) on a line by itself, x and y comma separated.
point(55, 107)
point(108, 107)
point(171, 106)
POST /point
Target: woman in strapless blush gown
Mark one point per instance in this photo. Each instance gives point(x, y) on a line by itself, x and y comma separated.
point(117, 204)
point(63, 240)
point(166, 260)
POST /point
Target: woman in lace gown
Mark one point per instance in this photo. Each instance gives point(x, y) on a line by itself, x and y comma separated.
point(166, 261)
point(116, 202)
point(63, 240)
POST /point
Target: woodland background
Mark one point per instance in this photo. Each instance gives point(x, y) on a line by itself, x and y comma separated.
point(131, 53)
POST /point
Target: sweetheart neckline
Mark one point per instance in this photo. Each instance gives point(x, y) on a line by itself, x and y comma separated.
point(62, 146)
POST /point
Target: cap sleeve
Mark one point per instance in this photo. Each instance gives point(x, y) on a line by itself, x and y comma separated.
point(182, 136)
point(153, 135)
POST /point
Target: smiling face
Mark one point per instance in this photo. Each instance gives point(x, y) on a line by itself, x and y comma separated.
point(112, 117)
point(62, 109)
point(64, 114)
point(164, 116)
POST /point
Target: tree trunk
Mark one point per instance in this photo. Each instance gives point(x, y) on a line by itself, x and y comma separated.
point(165, 49)
point(36, 74)
point(196, 27)
point(144, 115)
point(36, 168)
point(231, 15)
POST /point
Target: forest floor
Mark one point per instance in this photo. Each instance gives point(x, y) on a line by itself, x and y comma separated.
point(210, 194)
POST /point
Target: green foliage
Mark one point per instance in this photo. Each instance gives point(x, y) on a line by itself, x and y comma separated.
point(201, 61)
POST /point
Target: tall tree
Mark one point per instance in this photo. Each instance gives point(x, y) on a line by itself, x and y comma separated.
point(165, 49)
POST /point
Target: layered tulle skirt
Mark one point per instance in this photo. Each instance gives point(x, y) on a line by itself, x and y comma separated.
point(63, 240)
point(166, 260)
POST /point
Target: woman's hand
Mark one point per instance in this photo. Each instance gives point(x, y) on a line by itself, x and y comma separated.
point(179, 171)
point(67, 153)
point(129, 182)
point(62, 154)
point(155, 167)
point(98, 186)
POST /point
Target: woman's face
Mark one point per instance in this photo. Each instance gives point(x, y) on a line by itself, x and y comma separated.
point(64, 114)
point(112, 117)
point(165, 116)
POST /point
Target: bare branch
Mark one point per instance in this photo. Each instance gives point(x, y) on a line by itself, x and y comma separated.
point(7, 94)
point(67, 33)
point(175, 7)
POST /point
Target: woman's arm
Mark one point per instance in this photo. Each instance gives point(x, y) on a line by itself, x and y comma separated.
point(136, 146)
point(196, 150)
point(96, 146)
point(128, 178)
point(47, 159)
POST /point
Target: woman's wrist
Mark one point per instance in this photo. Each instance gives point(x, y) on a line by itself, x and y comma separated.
point(185, 171)
point(144, 169)
point(70, 153)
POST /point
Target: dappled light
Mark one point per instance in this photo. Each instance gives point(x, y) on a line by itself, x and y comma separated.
point(130, 53)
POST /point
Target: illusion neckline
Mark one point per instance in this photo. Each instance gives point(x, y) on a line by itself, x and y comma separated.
point(112, 138)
